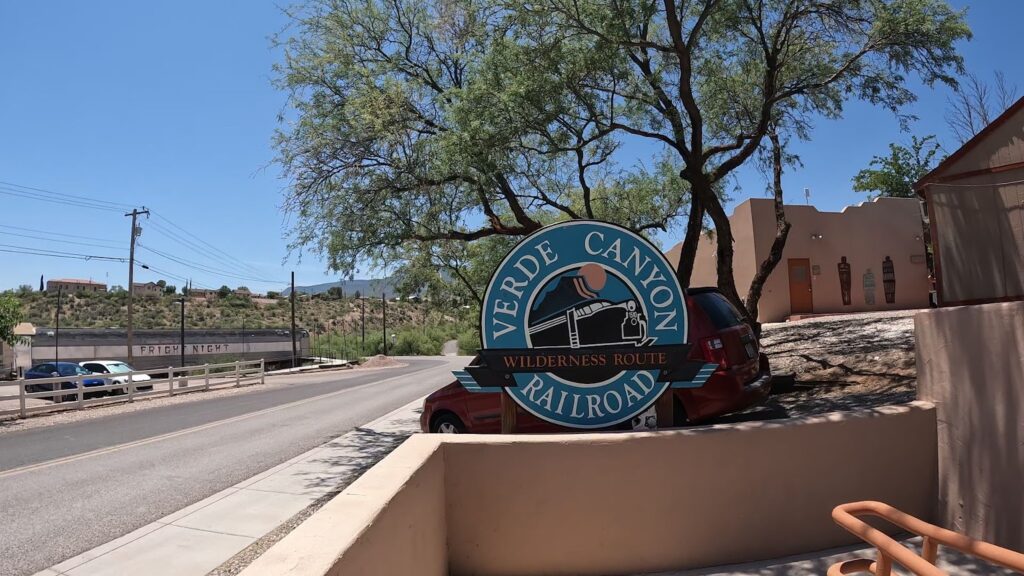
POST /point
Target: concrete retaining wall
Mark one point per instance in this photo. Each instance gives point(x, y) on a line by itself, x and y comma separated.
point(615, 503)
point(389, 521)
point(970, 363)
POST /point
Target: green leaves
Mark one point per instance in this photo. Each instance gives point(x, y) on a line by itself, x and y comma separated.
point(417, 127)
point(895, 174)
point(10, 316)
point(414, 125)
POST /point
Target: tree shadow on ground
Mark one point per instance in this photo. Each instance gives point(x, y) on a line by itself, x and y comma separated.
point(847, 370)
point(356, 453)
point(818, 563)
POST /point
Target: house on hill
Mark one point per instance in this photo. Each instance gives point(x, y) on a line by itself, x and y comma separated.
point(74, 285)
point(146, 289)
point(867, 257)
point(201, 293)
point(975, 200)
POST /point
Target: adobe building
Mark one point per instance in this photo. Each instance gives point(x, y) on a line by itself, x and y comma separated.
point(975, 201)
point(74, 285)
point(146, 289)
point(868, 257)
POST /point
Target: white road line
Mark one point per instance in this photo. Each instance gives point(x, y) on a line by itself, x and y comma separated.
point(169, 435)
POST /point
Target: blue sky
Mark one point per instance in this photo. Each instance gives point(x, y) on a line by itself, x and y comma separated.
point(169, 105)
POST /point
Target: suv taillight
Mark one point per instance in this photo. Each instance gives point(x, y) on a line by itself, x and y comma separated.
point(714, 351)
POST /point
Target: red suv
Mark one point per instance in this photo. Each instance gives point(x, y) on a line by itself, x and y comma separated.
point(719, 337)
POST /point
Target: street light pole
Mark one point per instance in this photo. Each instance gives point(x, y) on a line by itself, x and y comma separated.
point(181, 342)
point(384, 321)
point(295, 352)
point(56, 334)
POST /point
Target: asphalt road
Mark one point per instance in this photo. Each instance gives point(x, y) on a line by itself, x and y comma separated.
point(67, 488)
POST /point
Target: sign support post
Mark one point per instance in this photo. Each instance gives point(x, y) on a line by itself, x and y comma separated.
point(508, 414)
point(663, 408)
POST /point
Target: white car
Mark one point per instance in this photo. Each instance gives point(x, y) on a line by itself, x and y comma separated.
point(119, 373)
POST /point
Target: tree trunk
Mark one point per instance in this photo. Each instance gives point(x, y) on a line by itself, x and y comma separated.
point(724, 240)
point(782, 227)
point(688, 252)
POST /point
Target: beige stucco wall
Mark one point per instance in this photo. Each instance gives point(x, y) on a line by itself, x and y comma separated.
point(979, 222)
point(865, 234)
point(970, 363)
point(1003, 145)
point(745, 261)
point(979, 227)
point(628, 503)
point(389, 521)
point(618, 503)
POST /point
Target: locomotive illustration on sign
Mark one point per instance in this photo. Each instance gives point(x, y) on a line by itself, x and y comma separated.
point(577, 313)
point(584, 325)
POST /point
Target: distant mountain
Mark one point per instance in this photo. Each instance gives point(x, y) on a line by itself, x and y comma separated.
point(369, 288)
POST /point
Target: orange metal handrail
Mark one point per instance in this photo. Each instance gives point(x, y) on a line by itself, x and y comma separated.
point(890, 551)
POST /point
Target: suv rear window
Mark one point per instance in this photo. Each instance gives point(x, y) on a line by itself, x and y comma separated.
point(721, 313)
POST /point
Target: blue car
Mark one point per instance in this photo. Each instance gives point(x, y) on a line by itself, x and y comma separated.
point(55, 369)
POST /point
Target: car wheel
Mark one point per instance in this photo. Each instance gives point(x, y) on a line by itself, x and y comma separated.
point(448, 424)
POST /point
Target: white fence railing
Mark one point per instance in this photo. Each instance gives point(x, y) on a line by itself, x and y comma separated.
point(63, 391)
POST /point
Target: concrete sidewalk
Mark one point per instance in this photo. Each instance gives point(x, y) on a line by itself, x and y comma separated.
point(199, 538)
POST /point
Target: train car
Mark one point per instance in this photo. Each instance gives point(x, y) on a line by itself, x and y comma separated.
point(161, 348)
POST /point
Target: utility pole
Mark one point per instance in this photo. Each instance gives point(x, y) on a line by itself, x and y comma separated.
point(295, 352)
point(384, 321)
point(131, 275)
point(56, 334)
point(362, 325)
point(182, 339)
point(344, 336)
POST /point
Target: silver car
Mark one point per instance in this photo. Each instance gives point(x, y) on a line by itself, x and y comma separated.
point(117, 372)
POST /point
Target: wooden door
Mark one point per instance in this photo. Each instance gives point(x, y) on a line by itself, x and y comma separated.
point(801, 295)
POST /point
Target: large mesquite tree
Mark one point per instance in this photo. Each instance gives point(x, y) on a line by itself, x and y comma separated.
point(455, 120)
point(415, 125)
point(708, 78)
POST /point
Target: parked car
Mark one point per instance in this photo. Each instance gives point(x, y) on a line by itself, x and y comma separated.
point(719, 336)
point(117, 372)
point(57, 369)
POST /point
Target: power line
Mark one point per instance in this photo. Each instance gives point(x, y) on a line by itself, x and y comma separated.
point(168, 273)
point(227, 263)
point(203, 268)
point(231, 258)
point(235, 268)
point(65, 202)
point(45, 239)
point(10, 248)
point(47, 232)
point(118, 205)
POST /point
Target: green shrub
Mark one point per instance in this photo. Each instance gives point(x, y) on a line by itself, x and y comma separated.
point(469, 341)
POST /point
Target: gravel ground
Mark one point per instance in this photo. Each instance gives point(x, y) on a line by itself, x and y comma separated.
point(843, 362)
